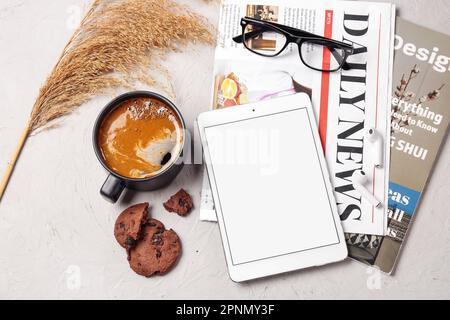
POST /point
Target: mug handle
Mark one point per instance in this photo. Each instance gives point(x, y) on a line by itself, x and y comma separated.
point(112, 188)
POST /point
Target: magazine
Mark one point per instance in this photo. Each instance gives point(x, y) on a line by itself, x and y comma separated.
point(345, 102)
point(419, 120)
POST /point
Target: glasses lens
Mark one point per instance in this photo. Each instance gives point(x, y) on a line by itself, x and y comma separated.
point(318, 55)
point(264, 40)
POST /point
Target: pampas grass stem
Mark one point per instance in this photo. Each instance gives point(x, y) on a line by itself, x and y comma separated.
point(118, 44)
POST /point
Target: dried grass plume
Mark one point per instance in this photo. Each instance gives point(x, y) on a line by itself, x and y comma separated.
point(117, 43)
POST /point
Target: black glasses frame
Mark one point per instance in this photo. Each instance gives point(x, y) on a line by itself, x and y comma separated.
point(294, 35)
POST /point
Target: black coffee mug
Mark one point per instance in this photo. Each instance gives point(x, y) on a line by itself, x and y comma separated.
point(116, 183)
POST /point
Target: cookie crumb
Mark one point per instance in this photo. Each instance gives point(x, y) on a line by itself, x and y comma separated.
point(180, 203)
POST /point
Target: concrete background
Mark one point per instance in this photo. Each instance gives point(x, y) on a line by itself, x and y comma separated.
point(57, 233)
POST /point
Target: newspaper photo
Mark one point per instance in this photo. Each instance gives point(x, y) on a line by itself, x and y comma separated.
point(346, 102)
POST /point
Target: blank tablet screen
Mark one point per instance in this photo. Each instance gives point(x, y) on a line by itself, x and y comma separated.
point(270, 185)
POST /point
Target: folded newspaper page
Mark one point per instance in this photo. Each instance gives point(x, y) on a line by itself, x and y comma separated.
point(420, 119)
point(346, 102)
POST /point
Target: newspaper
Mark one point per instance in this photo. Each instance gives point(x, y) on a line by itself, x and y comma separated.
point(420, 118)
point(345, 102)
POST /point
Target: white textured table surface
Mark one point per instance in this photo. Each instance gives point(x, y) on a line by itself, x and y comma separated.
point(57, 233)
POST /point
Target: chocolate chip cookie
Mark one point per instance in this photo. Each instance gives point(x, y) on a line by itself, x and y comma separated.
point(129, 224)
point(180, 203)
point(156, 252)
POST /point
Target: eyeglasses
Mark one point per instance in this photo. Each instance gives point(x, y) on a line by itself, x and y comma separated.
point(270, 39)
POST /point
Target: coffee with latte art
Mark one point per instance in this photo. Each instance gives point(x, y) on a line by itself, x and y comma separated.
point(141, 138)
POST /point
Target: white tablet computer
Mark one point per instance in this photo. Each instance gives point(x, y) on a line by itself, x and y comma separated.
point(274, 201)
